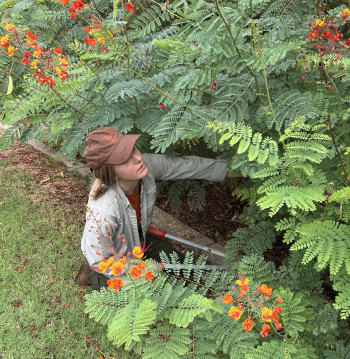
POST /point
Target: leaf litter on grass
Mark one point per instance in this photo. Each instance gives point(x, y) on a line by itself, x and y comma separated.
point(42, 210)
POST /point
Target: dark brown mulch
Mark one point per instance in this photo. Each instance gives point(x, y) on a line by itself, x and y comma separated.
point(219, 217)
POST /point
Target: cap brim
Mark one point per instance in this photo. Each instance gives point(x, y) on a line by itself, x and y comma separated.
point(123, 150)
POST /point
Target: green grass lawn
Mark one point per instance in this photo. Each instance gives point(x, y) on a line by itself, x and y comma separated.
point(41, 222)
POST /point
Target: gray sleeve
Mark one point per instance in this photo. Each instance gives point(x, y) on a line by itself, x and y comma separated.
point(171, 168)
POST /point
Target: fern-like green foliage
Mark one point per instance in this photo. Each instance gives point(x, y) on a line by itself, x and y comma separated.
point(341, 283)
point(296, 312)
point(276, 349)
point(137, 316)
point(328, 240)
point(299, 276)
point(231, 339)
point(252, 240)
point(341, 196)
point(339, 350)
point(189, 308)
point(253, 267)
point(103, 305)
point(166, 342)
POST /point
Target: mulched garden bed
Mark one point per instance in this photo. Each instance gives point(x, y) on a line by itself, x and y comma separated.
point(219, 217)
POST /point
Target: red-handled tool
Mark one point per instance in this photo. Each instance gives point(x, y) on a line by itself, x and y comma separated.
point(163, 234)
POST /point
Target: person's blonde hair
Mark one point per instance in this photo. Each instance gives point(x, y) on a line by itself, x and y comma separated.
point(104, 177)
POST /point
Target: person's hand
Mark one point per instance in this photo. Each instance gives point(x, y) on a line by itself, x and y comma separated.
point(234, 175)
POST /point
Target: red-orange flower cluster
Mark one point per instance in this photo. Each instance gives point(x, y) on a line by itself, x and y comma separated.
point(265, 330)
point(268, 315)
point(90, 40)
point(249, 302)
point(77, 6)
point(264, 289)
point(45, 62)
point(115, 284)
point(136, 272)
point(247, 324)
point(129, 7)
point(45, 80)
point(326, 36)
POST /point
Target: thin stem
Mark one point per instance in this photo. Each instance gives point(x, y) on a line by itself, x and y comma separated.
point(336, 148)
point(259, 53)
point(233, 39)
point(240, 95)
point(154, 86)
point(164, 7)
point(334, 87)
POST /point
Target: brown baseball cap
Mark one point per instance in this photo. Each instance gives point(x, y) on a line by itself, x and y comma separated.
point(107, 145)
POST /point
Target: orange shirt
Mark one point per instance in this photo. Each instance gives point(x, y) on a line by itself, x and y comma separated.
point(134, 200)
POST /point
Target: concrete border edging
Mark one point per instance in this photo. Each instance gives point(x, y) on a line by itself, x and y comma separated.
point(160, 219)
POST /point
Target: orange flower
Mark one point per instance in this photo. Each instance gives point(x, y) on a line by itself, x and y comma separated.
point(9, 27)
point(34, 64)
point(278, 325)
point(279, 300)
point(73, 14)
point(135, 272)
point(277, 309)
point(265, 330)
point(37, 53)
point(57, 51)
point(129, 7)
point(141, 265)
point(32, 44)
point(79, 5)
point(101, 40)
point(149, 275)
point(64, 2)
point(243, 284)
point(234, 313)
point(266, 314)
point(228, 298)
point(88, 29)
point(274, 317)
point(115, 284)
point(265, 290)
point(247, 324)
point(123, 260)
point(31, 36)
point(103, 265)
point(10, 50)
point(345, 13)
point(117, 268)
point(96, 27)
point(92, 42)
point(4, 41)
point(241, 293)
point(319, 23)
point(137, 252)
point(62, 61)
